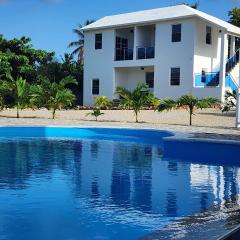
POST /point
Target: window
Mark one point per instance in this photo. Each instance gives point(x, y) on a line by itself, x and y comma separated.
point(150, 79)
point(175, 76)
point(95, 86)
point(176, 33)
point(98, 41)
point(208, 35)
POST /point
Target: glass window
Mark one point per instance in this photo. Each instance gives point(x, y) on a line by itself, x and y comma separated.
point(98, 41)
point(150, 79)
point(176, 33)
point(95, 86)
point(208, 35)
point(175, 76)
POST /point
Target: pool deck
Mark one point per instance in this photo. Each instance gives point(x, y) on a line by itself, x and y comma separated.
point(207, 124)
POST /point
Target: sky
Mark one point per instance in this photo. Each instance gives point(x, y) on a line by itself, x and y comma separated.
point(49, 23)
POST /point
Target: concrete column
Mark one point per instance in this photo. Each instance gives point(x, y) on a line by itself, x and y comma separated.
point(135, 43)
point(223, 61)
point(232, 46)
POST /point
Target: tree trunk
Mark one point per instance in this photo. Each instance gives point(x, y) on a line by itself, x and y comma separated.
point(136, 116)
point(190, 120)
point(17, 112)
point(53, 113)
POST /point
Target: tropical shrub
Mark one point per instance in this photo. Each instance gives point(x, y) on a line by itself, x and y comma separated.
point(189, 102)
point(230, 101)
point(136, 99)
point(53, 96)
point(100, 103)
point(18, 90)
point(95, 113)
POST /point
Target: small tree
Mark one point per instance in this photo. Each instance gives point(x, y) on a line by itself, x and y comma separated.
point(100, 103)
point(19, 90)
point(53, 96)
point(135, 100)
point(189, 102)
point(95, 113)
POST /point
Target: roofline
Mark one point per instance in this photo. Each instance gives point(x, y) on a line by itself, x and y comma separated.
point(85, 29)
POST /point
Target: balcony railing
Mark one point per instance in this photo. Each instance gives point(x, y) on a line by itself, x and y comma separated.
point(208, 79)
point(122, 54)
point(145, 52)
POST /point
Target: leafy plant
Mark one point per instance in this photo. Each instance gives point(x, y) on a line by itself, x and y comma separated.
point(19, 90)
point(102, 102)
point(189, 102)
point(53, 96)
point(95, 113)
point(135, 100)
point(230, 101)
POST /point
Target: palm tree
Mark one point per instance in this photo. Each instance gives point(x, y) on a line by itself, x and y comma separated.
point(54, 96)
point(189, 102)
point(135, 100)
point(19, 90)
point(79, 44)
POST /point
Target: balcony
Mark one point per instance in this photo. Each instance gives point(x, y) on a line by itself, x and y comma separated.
point(145, 52)
point(207, 79)
point(122, 54)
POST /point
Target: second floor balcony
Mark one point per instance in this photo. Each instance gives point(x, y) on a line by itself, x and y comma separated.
point(145, 52)
point(122, 54)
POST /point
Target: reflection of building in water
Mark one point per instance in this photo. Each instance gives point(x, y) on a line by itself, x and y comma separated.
point(133, 176)
point(217, 182)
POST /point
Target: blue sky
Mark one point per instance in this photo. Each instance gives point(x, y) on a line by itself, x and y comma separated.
point(49, 22)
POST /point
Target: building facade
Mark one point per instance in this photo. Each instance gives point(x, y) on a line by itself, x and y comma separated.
point(175, 50)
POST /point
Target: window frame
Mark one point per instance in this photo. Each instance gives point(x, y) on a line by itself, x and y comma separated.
point(151, 86)
point(98, 42)
point(94, 88)
point(176, 36)
point(171, 76)
point(208, 39)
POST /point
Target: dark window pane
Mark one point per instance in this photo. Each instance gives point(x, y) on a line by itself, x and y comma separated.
point(95, 87)
point(175, 76)
point(176, 33)
point(98, 41)
point(150, 79)
point(208, 35)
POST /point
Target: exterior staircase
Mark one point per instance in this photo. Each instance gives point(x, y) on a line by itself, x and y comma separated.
point(212, 79)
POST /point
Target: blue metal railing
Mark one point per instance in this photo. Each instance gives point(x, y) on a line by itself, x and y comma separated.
point(122, 54)
point(207, 79)
point(145, 52)
point(229, 82)
point(233, 61)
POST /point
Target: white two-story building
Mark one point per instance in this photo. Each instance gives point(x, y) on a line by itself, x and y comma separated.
point(175, 50)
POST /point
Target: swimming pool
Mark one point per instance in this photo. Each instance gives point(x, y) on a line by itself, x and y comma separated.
point(91, 183)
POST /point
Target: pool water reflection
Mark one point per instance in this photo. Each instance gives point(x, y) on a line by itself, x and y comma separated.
point(95, 189)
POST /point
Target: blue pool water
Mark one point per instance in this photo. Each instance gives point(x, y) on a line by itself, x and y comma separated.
point(100, 184)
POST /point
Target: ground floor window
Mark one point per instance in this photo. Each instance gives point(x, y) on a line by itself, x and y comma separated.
point(95, 86)
point(150, 79)
point(175, 77)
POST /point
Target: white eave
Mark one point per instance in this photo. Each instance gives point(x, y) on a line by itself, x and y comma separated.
point(157, 15)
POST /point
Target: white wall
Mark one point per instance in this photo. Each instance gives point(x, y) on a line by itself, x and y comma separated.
point(130, 77)
point(207, 56)
point(178, 54)
point(98, 64)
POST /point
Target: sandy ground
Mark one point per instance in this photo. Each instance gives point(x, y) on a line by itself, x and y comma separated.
point(205, 121)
